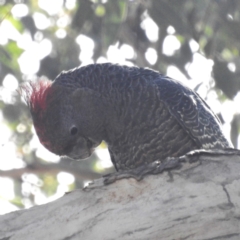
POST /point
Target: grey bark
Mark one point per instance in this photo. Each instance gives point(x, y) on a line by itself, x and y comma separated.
point(200, 200)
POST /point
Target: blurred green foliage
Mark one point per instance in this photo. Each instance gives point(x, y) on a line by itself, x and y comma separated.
point(214, 25)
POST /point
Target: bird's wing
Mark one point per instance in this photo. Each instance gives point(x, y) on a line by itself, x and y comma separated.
point(192, 113)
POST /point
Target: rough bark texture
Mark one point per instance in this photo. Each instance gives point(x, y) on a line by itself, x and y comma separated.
point(198, 201)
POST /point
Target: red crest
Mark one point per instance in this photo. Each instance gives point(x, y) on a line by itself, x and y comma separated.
point(35, 94)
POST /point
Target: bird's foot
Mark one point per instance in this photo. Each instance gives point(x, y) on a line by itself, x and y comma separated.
point(168, 164)
point(138, 173)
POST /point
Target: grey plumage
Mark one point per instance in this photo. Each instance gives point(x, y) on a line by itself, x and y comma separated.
point(142, 115)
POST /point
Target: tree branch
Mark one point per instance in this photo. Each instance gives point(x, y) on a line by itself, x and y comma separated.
point(38, 167)
point(200, 200)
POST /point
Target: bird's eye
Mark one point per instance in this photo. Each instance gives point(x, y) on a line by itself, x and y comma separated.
point(73, 130)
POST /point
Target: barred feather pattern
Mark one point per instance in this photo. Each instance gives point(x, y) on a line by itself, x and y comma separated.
point(150, 116)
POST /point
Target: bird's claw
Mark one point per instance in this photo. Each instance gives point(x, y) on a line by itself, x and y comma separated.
point(138, 173)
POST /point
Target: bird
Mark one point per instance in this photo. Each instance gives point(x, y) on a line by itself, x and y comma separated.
point(142, 115)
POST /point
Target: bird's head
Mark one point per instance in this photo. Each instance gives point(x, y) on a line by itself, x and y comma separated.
point(61, 124)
